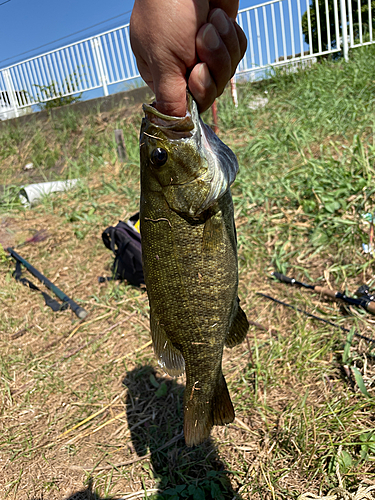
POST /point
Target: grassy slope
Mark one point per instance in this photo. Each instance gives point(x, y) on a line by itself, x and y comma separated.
point(306, 172)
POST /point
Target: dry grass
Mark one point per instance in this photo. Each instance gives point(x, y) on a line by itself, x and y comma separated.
point(86, 412)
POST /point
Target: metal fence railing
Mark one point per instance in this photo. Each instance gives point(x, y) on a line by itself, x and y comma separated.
point(283, 32)
point(279, 32)
point(98, 61)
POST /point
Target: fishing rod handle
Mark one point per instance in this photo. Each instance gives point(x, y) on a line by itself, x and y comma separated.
point(370, 307)
point(325, 291)
point(78, 310)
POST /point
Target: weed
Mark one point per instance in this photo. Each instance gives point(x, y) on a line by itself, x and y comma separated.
point(84, 397)
point(67, 122)
point(10, 139)
point(42, 155)
point(50, 96)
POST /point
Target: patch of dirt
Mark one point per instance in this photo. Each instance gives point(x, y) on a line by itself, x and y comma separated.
point(13, 231)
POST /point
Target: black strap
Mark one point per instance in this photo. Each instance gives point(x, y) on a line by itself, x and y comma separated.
point(49, 301)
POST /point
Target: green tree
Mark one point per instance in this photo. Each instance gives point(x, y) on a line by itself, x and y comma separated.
point(332, 29)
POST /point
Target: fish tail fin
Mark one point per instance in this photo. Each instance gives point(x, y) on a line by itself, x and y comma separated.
point(199, 417)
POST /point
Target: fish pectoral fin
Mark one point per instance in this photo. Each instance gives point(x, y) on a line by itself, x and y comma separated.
point(169, 357)
point(239, 327)
point(213, 233)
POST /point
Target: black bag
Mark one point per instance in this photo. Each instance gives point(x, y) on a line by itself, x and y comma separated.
point(125, 242)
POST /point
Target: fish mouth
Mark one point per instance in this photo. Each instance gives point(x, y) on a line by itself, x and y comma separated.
point(174, 127)
point(217, 168)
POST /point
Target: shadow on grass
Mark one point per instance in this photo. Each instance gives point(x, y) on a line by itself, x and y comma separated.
point(154, 407)
point(155, 417)
point(85, 494)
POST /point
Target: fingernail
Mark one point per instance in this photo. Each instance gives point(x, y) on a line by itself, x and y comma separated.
point(204, 76)
point(210, 38)
point(220, 22)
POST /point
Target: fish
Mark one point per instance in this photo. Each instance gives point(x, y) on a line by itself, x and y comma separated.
point(189, 252)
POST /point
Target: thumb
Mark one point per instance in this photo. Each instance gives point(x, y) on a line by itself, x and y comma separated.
point(170, 92)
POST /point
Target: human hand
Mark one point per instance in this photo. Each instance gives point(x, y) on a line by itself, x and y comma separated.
point(186, 42)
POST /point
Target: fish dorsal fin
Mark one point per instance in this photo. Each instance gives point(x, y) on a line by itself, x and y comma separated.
point(239, 327)
point(169, 358)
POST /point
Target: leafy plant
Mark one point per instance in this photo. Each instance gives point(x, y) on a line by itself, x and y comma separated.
point(52, 96)
point(367, 440)
point(213, 487)
point(348, 364)
point(3, 254)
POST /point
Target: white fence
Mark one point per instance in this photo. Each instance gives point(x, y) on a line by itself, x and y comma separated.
point(92, 63)
point(294, 31)
point(279, 32)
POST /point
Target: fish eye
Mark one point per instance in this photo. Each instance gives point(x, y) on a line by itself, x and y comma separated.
point(159, 156)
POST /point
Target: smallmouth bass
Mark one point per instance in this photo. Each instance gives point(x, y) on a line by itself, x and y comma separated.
point(189, 251)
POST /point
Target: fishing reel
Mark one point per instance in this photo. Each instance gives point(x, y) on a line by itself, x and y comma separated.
point(364, 294)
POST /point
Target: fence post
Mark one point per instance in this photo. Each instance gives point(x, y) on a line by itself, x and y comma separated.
point(344, 29)
point(97, 46)
point(233, 87)
point(121, 149)
point(10, 91)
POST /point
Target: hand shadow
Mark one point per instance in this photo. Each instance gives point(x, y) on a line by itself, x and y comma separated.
point(154, 408)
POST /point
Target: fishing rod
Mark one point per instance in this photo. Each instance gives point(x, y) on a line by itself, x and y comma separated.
point(78, 310)
point(364, 298)
point(313, 316)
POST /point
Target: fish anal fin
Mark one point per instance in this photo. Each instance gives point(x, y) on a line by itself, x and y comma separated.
point(213, 233)
point(199, 417)
point(239, 327)
point(169, 357)
point(222, 407)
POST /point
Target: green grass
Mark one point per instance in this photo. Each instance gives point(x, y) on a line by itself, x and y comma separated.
point(303, 391)
point(310, 149)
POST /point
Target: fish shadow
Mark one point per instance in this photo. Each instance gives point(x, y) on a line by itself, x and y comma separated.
point(154, 408)
point(84, 494)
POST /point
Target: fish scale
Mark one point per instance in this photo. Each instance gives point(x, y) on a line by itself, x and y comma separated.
point(190, 260)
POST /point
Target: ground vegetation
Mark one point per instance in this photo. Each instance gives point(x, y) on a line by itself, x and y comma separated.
point(85, 412)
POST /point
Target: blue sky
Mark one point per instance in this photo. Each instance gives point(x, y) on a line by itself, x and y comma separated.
point(28, 29)
point(26, 24)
